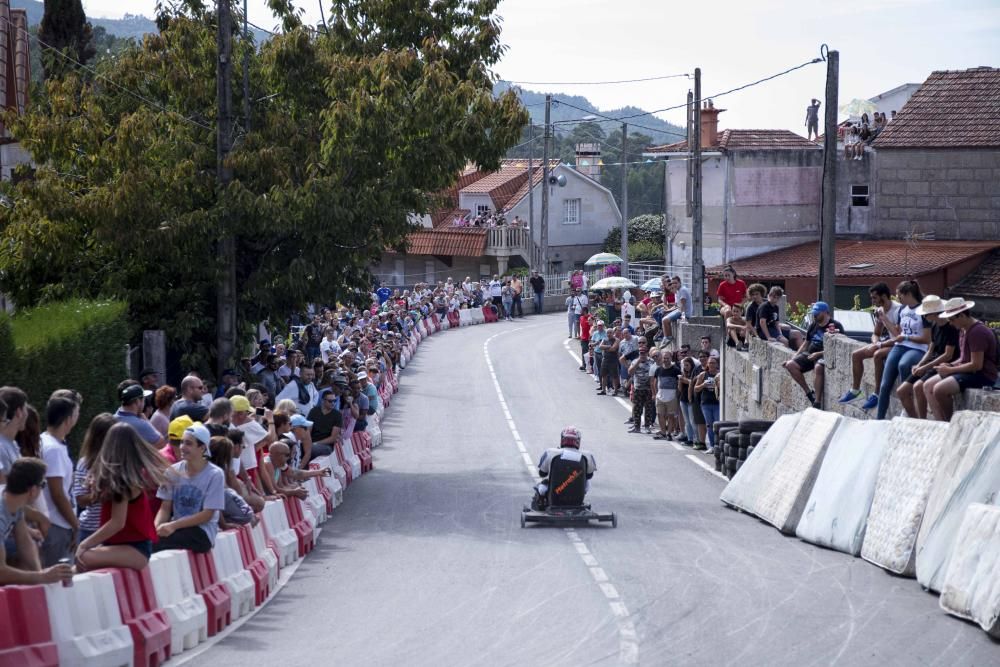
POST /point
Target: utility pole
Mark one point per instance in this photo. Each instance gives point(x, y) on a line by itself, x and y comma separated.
point(828, 228)
point(226, 289)
point(246, 70)
point(625, 200)
point(545, 184)
point(531, 177)
point(668, 240)
point(697, 262)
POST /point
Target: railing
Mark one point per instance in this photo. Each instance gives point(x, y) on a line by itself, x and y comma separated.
point(507, 240)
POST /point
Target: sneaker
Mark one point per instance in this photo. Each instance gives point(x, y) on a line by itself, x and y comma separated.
point(668, 339)
point(811, 396)
point(660, 436)
point(583, 368)
point(601, 392)
point(647, 430)
point(699, 446)
point(872, 402)
point(850, 396)
point(628, 421)
point(634, 429)
point(683, 439)
point(710, 450)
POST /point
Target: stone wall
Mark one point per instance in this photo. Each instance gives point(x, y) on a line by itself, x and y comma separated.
point(955, 193)
point(763, 365)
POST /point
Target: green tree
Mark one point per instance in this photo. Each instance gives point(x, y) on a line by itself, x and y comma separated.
point(358, 129)
point(64, 28)
point(647, 230)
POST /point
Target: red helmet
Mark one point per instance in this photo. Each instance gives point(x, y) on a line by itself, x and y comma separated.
point(570, 437)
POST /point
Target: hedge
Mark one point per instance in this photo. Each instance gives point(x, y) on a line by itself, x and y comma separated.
point(76, 344)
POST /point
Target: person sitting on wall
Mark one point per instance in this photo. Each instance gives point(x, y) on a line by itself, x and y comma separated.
point(810, 355)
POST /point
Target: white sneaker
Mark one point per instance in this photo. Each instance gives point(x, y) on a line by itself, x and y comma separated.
point(710, 450)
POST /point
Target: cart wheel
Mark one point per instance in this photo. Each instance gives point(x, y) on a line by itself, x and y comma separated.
point(522, 519)
point(614, 520)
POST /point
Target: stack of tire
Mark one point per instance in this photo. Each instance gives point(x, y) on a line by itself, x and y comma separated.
point(735, 441)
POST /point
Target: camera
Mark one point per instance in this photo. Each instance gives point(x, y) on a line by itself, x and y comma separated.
point(260, 412)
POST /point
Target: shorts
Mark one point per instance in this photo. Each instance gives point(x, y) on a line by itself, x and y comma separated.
point(674, 315)
point(804, 363)
point(913, 379)
point(666, 408)
point(972, 380)
point(145, 547)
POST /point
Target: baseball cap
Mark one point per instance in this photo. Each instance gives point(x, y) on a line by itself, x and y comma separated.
point(820, 307)
point(177, 427)
point(240, 404)
point(300, 421)
point(132, 392)
point(362, 375)
point(199, 432)
point(148, 371)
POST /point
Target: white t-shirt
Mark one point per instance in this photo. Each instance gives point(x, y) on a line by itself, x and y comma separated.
point(328, 347)
point(495, 288)
point(253, 433)
point(58, 464)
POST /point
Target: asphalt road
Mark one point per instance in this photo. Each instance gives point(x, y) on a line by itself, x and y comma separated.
point(426, 562)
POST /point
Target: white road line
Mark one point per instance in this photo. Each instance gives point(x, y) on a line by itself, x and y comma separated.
point(628, 642)
point(677, 446)
point(698, 461)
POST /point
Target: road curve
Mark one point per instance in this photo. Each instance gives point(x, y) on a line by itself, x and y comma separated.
point(426, 563)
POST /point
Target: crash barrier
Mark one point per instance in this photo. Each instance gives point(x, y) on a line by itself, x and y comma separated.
point(145, 617)
point(735, 442)
point(970, 587)
point(905, 495)
point(87, 623)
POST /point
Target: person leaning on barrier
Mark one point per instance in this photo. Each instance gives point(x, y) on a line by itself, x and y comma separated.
point(284, 479)
point(21, 565)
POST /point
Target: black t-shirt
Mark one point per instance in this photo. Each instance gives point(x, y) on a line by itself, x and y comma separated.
point(314, 332)
point(753, 314)
point(769, 313)
point(666, 378)
point(943, 335)
point(815, 332)
point(708, 392)
point(537, 283)
point(323, 425)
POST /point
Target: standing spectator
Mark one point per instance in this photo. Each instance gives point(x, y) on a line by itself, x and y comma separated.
point(666, 378)
point(942, 350)
point(123, 474)
point(538, 289)
point(507, 300)
point(61, 415)
point(641, 371)
point(575, 303)
point(576, 280)
point(495, 289)
point(301, 390)
point(708, 384)
point(270, 378)
point(812, 120)
point(313, 335)
point(25, 484)
point(732, 291)
point(193, 496)
point(163, 399)
point(976, 366)
point(149, 378)
point(29, 438)
point(910, 344)
point(628, 351)
point(694, 396)
point(230, 379)
point(83, 489)
point(598, 334)
point(329, 348)
point(518, 287)
point(585, 321)
point(190, 403)
point(810, 354)
point(886, 316)
point(609, 363)
point(13, 419)
point(688, 435)
point(132, 397)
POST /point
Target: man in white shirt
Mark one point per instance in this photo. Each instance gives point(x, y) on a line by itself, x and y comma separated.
point(496, 287)
point(329, 347)
point(13, 414)
point(301, 390)
point(256, 436)
point(61, 415)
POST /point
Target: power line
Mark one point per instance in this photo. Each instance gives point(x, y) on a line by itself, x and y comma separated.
point(100, 76)
point(615, 120)
point(599, 83)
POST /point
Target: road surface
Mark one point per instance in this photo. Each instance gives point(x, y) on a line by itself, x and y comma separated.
point(426, 562)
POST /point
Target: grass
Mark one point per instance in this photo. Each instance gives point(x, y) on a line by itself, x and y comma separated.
point(43, 326)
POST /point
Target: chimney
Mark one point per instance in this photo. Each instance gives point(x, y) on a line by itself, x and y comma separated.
point(588, 160)
point(710, 125)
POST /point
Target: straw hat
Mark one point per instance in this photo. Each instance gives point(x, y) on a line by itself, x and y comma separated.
point(955, 306)
point(932, 303)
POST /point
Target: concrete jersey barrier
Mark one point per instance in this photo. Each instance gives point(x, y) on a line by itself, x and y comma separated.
point(969, 473)
point(836, 512)
point(904, 482)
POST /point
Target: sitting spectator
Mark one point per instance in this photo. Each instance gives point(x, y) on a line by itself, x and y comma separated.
point(220, 413)
point(708, 384)
point(190, 402)
point(301, 390)
point(25, 483)
point(236, 511)
point(810, 354)
point(942, 350)
point(683, 307)
point(768, 317)
point(736, 327)
point(910, 344)
point(163, 399)
point(192, 497)
point(61, 415)
point(285, 479)
point(975, 368)
point(757, 294)
point(886, 316)
point(82, 490)
point(125, 471)
point(732, 291)
point(301, 428)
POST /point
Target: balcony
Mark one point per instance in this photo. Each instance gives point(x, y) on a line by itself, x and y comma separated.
point(506, 242)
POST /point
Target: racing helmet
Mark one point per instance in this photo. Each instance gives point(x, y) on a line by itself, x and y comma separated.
point(570, 437)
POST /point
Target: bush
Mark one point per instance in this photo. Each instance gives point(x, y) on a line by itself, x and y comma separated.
point(76, 344)
point(644, 251)
point(640, 228)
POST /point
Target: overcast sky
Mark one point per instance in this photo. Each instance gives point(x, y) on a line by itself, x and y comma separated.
point(882, 44)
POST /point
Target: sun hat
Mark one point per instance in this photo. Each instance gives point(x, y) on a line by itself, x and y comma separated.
point(932, 303)
point(955, 306)
point(240, 404)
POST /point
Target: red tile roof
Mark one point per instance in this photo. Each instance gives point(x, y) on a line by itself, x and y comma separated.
point(983, 282)
point(873, 258)
point(952, 109)
point(736, 140)
point(506, 185)
point(464, 242)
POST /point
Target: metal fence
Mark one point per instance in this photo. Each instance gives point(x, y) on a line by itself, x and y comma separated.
point(638, 272)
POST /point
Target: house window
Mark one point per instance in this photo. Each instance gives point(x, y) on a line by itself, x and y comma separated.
point(482, 209)
point(859, 195)
point(571, 211)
